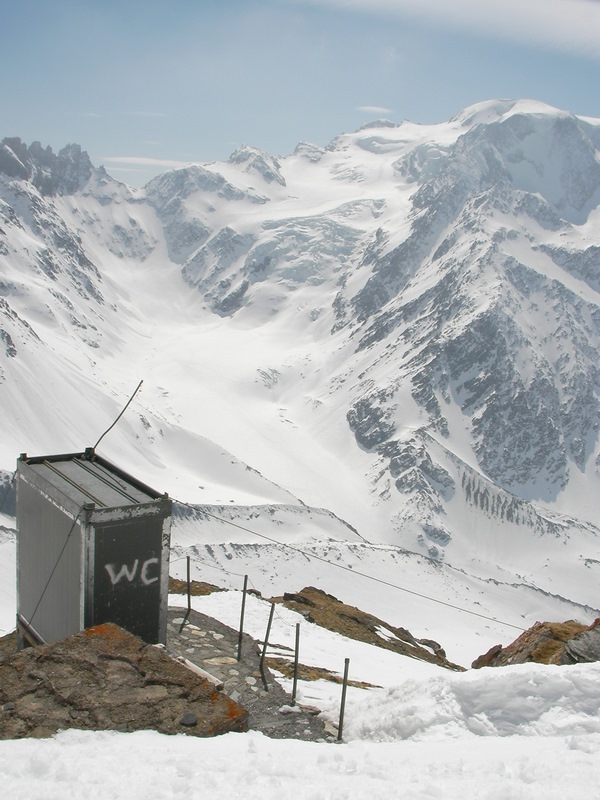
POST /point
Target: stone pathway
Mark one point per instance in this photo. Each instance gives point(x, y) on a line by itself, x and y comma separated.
point(213, 647)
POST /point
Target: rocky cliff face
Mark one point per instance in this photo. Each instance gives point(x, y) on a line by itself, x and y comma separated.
point(63, 173)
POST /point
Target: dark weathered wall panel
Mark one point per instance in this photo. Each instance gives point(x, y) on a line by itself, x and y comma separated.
point(127, 576)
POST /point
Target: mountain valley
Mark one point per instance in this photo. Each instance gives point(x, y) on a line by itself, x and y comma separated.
point(383, 353)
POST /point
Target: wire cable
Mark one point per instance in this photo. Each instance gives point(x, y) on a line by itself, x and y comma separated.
point(120, 415)
point(357, 572)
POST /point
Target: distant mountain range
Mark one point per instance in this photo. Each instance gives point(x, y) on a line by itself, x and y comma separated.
point(401, 328)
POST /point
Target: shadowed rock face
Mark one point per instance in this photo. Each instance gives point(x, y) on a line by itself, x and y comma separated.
point(52, 174)
point(547, 643)
point(107, 679)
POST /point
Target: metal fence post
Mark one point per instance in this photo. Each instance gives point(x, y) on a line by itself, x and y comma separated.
point(343, 703)
point(189, 585)
point(239, 653)
point(296, 656)
point(265, 645)
point(189, 596)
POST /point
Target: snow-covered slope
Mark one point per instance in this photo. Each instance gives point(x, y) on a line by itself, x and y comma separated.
point(526, 731)
point(392, 339)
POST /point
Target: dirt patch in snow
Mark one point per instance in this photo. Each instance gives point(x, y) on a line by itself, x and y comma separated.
point(306, 673)
point(197, 588)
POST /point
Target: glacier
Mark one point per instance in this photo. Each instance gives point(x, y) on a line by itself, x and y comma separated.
point(388, 346)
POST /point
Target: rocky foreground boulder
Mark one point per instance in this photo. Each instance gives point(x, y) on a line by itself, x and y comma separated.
point(107, 679)
point(567, 642)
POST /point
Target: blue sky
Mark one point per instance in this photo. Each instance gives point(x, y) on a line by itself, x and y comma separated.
point(143, 86)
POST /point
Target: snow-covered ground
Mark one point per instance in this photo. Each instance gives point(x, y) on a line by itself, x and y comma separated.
point(8, 606)
point(251, 410)
point(148, 765)
point(526, 731)
point(108, 286)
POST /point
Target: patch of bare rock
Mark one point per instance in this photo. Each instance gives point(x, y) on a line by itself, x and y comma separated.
point(104, 678)
point(327, 611)
point(568, 642)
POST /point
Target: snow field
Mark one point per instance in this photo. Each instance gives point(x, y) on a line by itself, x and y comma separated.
point(148, 765)
point(416, 700)
point(522, 732)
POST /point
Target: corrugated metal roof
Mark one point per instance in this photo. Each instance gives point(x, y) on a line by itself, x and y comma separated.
point(91, 480)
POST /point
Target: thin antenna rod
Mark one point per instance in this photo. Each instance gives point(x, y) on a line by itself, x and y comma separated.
point(120, 415)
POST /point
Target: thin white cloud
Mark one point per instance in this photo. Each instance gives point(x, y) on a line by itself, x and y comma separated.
point(146, 114)
point(126, 169)
point(143, 161)
point(568, 25)
point(374, 109)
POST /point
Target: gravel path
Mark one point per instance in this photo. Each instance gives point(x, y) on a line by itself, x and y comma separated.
point(213, 647)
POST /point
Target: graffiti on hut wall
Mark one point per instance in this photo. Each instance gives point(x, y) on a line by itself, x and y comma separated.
point(131, 573)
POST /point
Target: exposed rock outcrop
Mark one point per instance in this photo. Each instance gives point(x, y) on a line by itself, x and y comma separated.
point(568, 642)
point(327, 611)
point(50, 173)
point(107, 679)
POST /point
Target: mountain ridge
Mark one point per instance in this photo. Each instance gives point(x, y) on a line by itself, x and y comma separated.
point(401, 327)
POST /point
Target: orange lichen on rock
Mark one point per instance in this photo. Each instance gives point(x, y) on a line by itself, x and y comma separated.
point(107, 679)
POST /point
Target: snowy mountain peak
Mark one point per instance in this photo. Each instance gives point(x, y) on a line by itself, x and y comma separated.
point(256, 161)
point(51, 174)
point(378, 123)
point(309, 151)
point(495, 110)
point(401, 328)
